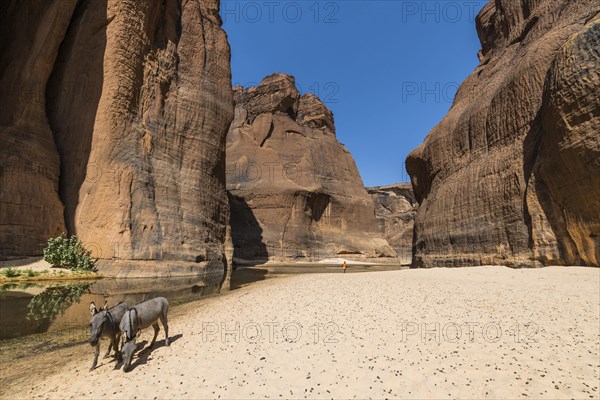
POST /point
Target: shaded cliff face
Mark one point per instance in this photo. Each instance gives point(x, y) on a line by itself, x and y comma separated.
point(135, 105)
point(30, 209)
point(511, 175)
point(295, 191)
point(396, 209)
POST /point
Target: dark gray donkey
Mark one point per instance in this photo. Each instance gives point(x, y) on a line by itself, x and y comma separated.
point(105, 324)
point(139, 317)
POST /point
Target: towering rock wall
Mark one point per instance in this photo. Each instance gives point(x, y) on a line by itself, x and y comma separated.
point(396, 209)
point(30, 209)
point(295, 191)
point(511, 175)
point(135, 105)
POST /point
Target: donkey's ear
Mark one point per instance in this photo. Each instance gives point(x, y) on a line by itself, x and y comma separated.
point(93, 310)
point(105, 306)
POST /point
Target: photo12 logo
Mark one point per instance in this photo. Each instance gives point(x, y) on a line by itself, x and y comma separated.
point(470, 332)
point(257, 173)
point(440, 11)
point(328, 91)
point(293, 12)
point(428, 92)
point(269, 332)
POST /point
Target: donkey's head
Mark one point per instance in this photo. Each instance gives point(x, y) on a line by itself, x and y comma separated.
point(127, 350)
point(128, 328)
point(99, 318)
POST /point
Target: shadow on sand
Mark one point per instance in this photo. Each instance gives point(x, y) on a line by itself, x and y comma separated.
point(143, 352)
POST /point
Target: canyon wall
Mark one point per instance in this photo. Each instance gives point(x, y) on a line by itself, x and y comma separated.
point(123, 109)
point(30, 208)
point(295, 192)
point(396, 208)
point(511, 175)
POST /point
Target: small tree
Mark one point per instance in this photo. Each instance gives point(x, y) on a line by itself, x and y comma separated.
point(68, 253)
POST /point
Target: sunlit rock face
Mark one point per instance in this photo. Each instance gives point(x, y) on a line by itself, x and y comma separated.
point(295, 192)
point(396, 208)
point(127, 117)
point(511, 175)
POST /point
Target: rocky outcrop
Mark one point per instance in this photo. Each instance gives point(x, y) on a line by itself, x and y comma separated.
point(396, 208)
point(135, 103)
point(511, 175)
point(295, 191)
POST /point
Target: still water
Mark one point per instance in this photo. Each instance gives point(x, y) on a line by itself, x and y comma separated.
point(27, 308)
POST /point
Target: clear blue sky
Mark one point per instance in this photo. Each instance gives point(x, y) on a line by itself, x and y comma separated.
point(387, 69)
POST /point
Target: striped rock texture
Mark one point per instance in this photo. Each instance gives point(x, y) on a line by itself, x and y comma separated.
point(127, 116)
point(511, 175)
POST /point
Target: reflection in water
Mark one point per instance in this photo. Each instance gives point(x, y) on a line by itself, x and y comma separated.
point(63, 307)
point(245, 276)
point(17, 285)
point(55, 300)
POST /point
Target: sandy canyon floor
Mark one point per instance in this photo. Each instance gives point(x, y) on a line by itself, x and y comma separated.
point(481, 332)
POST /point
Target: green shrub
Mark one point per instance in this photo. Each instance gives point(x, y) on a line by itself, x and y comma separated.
point(68, 253)
point(10, 272)
point(31, 273)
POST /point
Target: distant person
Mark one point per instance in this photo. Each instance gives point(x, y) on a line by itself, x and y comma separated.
point(344, 266)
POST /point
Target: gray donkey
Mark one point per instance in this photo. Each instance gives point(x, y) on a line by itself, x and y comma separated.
point(139, 317)
point(104, 324)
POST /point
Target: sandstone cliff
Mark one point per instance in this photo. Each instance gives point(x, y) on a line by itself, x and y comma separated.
point(127, 115)
point(511, 175)
point(295, 191)
point(30, 209)
point(396, 208)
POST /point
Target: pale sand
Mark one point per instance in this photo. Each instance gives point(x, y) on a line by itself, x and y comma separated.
point(368, 356)
point(33, 263)
point(36, 264)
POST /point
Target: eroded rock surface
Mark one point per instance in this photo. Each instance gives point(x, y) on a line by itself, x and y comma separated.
point(511, 175)
point(396, 209)
point(136, 103)
point(295, 191)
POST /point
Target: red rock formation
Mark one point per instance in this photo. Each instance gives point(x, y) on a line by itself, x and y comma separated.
point(396, 208)
point(566, 174)
point(138, 98)
point(295, 191)
point(510, 176)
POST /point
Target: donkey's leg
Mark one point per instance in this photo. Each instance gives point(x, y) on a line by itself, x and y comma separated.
point(96, 353)
point(156, 329)
point(110, 346)
point(163, 320)
point(118, 354)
